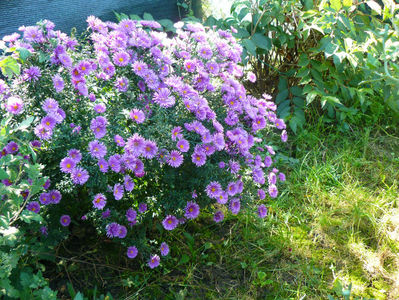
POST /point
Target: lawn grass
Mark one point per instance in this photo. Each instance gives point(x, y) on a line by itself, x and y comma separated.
point(336, 223)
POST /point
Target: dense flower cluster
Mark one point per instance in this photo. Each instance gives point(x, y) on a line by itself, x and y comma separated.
point(134, 110)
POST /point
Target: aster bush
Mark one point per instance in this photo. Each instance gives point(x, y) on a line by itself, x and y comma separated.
point(140, 132)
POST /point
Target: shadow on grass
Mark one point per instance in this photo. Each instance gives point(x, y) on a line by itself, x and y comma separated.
point(336, 221)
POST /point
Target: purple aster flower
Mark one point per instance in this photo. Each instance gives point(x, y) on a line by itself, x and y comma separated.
point(262, 211)
point(122, 232)
point(43, 230)
point(135, 145)
point(7, 182)
point(213, 67)
point(183, 145)
point(154, 261)
point(192, 210)
point(58, 83)
point(273, 192)
point(137, 115)
point(280, 124)
point(106, 214)
point(222, 198)
point(14, 105)
point(205, 52)
point(218, 216)
point(163, 98)
point(32, 74)
point(100, 108)
point(114, 162)
point(235, 206)
point(103, 165)
point(48, 122)
point(65, 60)
point(284, 136)
point(150, 149)
point(75, 155)
point(261, 194)
point(176, 133)
point(198, 158)
point(190, 65)
point(132, 252)
point(131, 215)
point(65, 220)
point(112, 230)
point(67, 164)
point(119, 140)
point(84, 67)
point(97, 149)
point(142, 207)
point(272, 178)
point(12, 147)
point(175, 159)
point(221, 165)
point(79, 176)
point(122, 84)
point(268, 161)
point(251, 77)
point(33, 206)
point(99, 201)
point(50, 105)
point(118, 191)
point(213, 189)
point(121, 58)
point(164, 249)
point(140, 68)
point(98, 126)
point(281, 176)
point(54, 196)
point(170, 222)
point(129, 183)
point(44, 198)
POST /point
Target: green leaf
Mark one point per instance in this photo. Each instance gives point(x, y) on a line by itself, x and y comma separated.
point(135, 17)
point(148, 17)
point(336, 4)
point(3, 174)
point(375, 7)
point(261, 275)
point(311, 96)
point(23, 53)
point(250, 46)
point(78, 296)
point(184, 259)
point(282, 95)
point(347, 3)
point(331, 99)
point(9, 66)
point(303, 60)
point(262, 41)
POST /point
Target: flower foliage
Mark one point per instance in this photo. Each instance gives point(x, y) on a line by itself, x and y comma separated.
point(136, 128)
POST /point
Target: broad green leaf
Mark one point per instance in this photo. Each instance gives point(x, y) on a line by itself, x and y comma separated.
point(281, 96)
point(262, 41)
point(3, 174)
point(9, 66)
point(303, 60)
point(148, 17)
point(336, 4)
point(347, 3)
point(311, 96)
point(23, 53)
point(374, 6)
point(249, 46)
point(331, 99)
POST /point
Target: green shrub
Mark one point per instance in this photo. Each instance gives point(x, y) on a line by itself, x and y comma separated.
point(337, 58)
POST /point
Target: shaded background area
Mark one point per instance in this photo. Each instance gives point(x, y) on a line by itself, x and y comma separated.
point(73, 13)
